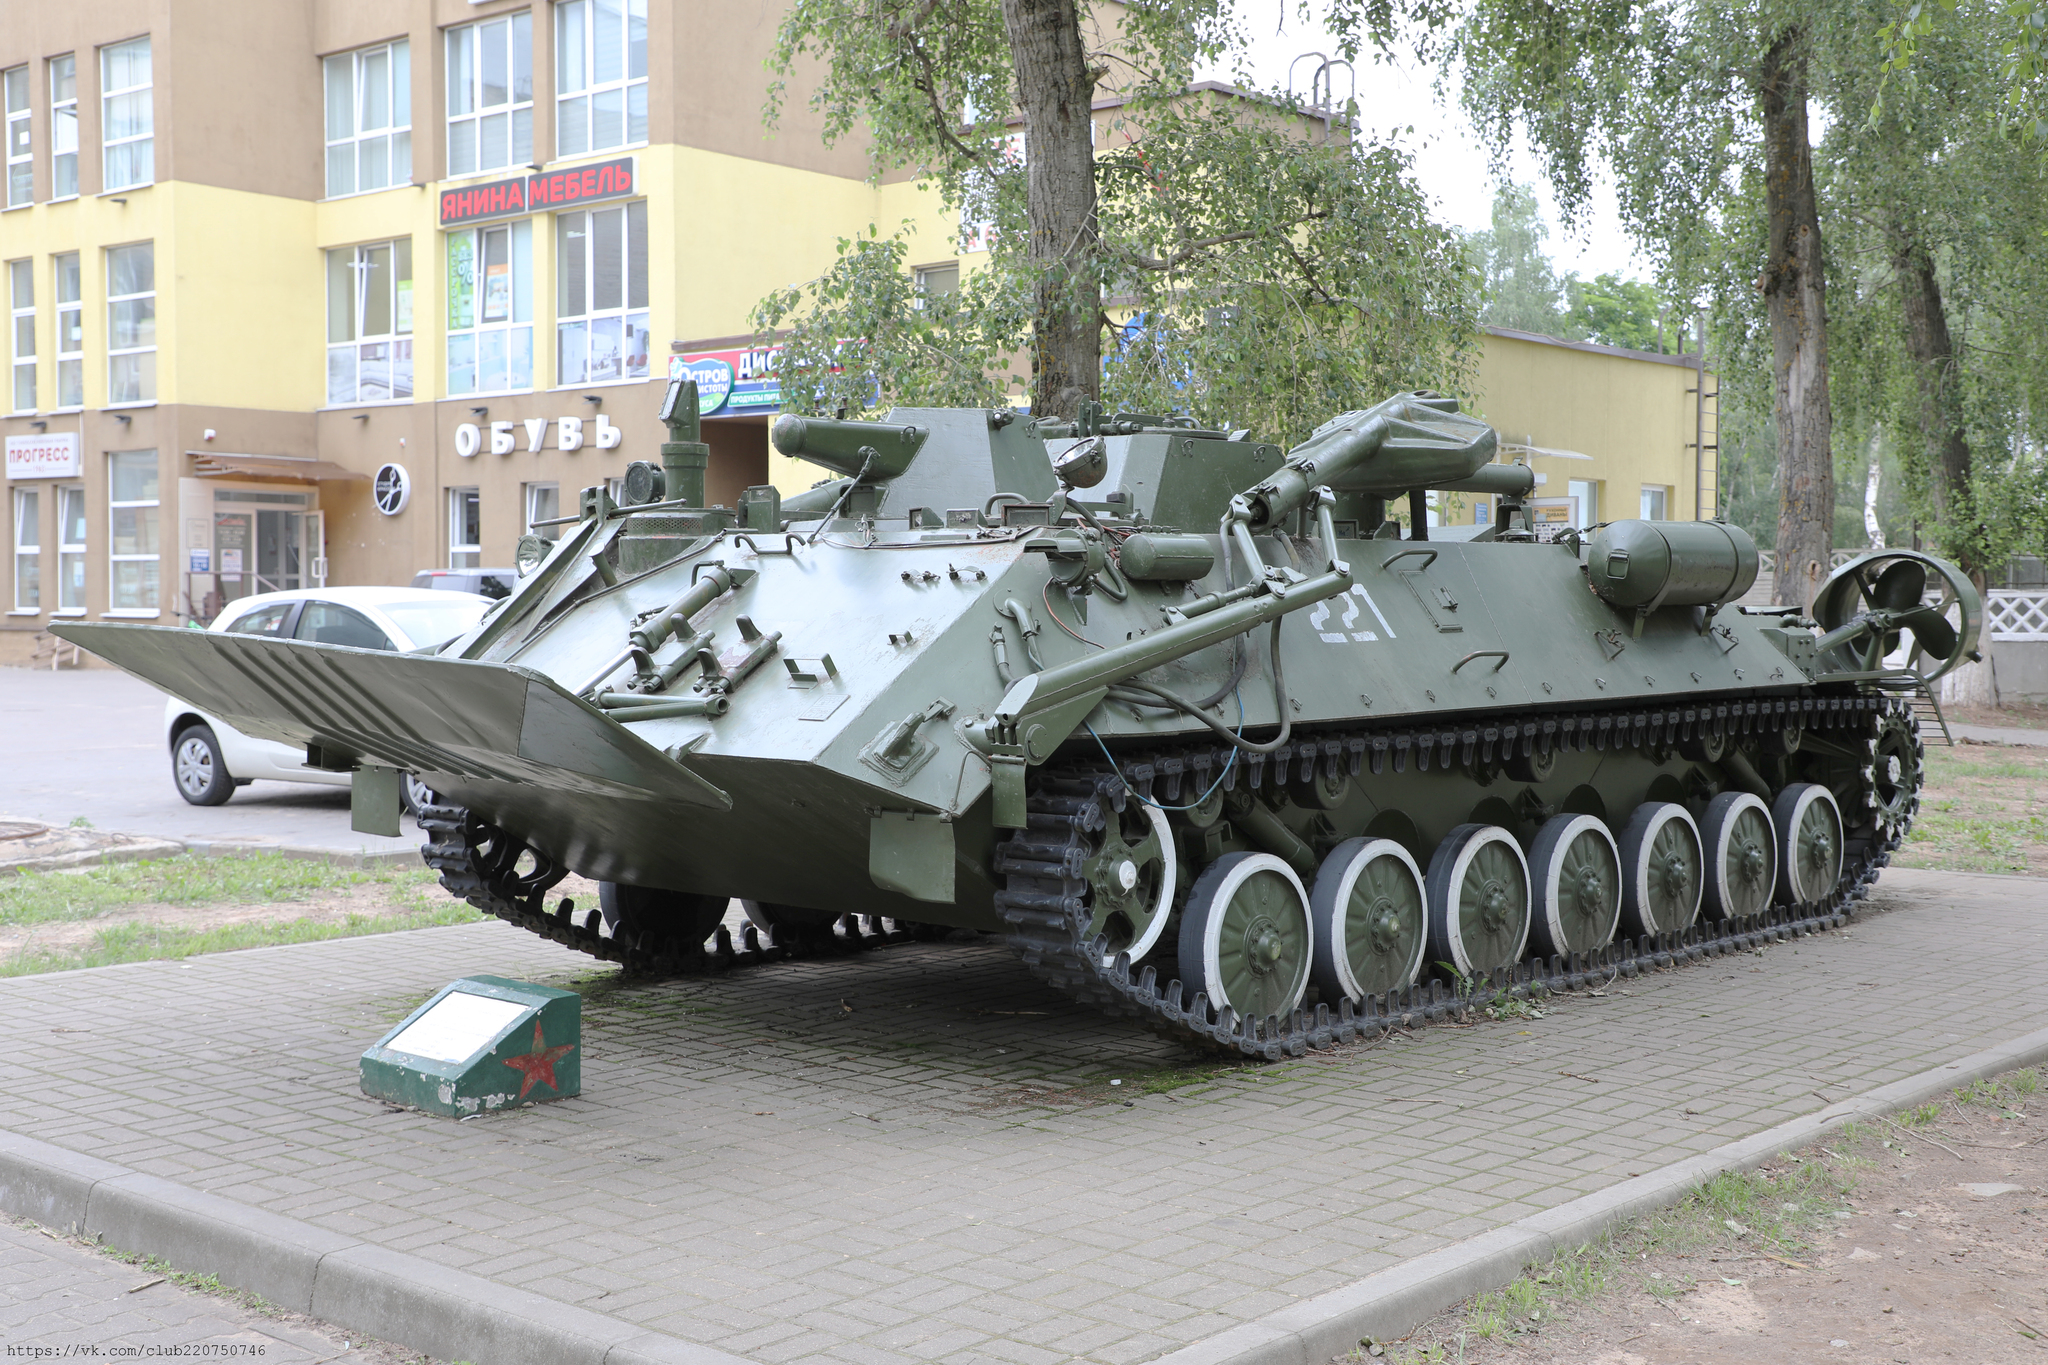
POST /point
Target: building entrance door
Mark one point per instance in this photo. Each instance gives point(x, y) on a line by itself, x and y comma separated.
point(280, 551)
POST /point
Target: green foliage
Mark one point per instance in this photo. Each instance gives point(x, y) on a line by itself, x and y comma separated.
point(1520, 289)
point(2023, 73)
point(1617, 312)
point(863, 337)
point(40, 897)
point(1249, 271)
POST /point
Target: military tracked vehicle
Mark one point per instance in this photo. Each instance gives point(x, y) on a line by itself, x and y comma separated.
point(1210, 739)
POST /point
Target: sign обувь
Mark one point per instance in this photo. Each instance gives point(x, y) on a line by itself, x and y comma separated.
point(571, 433)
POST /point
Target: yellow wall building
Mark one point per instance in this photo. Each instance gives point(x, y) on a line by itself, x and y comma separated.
point(305, 291)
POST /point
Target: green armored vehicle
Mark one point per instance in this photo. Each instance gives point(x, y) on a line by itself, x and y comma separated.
point(1184, 717)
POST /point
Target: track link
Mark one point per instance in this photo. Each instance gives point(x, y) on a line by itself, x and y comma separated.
point(1044, 900)
point(502, 876)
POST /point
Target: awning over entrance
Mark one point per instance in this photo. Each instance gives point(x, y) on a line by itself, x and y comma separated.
point(278, 468)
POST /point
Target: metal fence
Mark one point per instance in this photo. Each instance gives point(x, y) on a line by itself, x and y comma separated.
point(1767, 560)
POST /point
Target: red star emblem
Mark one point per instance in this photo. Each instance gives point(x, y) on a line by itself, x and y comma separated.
point(539, 1064)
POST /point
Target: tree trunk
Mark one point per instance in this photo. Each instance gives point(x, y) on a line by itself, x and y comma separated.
point(1055, 89)
point(1941, 419)
point(1795, 295)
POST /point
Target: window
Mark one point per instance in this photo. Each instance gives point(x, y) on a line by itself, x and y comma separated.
point(939, 279)
point(64, 127)
point(543, 503)
point(270, 620)
point(21, 300)
point(71, 549)
point(70, 332)
point(600, 75)
point(601, 264)
point(21, 157)
point(131, 324)
point(490, 309)
point(329, 623)
point(28, 550)
point(1655, 500)
point(369, 119)
point(465, 529)
point(131, 524)
point(369, 323)
point(490, 95)
point(127, 118)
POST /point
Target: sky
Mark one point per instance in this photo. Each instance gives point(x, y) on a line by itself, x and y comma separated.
point(1398, 103)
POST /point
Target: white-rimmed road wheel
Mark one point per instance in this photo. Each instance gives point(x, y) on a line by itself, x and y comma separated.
point(1660, 870)
point(1741, 858)
point(1809, 843)
point(1244, 936)
point(1131, 880)
point(1369, 918)
point(1575, 874)
point(1478, 888)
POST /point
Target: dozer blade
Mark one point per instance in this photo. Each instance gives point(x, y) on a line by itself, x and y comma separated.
point(455, 718)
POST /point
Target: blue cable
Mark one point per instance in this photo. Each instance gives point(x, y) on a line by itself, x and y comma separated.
point(1237, 692)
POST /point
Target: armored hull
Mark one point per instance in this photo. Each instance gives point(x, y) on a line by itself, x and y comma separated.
point(1181, 716)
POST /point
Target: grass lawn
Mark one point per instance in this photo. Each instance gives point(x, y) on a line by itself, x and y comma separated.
point(175, 907)
point(1984, 809)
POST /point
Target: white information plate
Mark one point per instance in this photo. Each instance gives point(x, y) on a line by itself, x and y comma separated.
point(457, 1028)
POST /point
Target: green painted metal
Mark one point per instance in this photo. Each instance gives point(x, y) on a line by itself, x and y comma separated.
point(1247, 919)
point(843, 705)
point(482, 1043)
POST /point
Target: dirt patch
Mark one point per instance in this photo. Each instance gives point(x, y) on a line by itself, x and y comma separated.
point(1938, 1252)
point(2017, 716)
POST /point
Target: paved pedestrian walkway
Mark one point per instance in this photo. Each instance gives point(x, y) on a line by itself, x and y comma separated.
point(59, 1298)
point(917, 1153)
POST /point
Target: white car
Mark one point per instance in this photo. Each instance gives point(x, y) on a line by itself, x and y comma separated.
point(210, 758)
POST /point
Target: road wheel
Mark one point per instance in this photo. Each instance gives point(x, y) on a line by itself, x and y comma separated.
point(198, 769)
point(1478, 900)
point(1370, 923)
point(650, 916)
point(1661, 870)
point(1244, 936)
point(1575, 872)
point(1742, 859)
point(1809, 843)
point(414, 794)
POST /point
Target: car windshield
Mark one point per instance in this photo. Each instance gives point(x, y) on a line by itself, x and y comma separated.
point(431, 623)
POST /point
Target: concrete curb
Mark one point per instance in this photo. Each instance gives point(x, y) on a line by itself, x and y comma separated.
point(358, 857)
point(447, 1313)
point(1394, 1302)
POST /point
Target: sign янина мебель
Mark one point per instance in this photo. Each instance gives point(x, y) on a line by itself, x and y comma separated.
point(53, 455)
point(542, 190)
point(731, 382)
point(571, 433)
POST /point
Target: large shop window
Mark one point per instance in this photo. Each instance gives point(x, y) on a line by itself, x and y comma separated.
point(131, 324)
point(70, 331)
point(601, 269)
point(127, 117)
point(369, 119)
point(369, 323)
point(490, 95)
point(21, 152)
point(465, 529)
point(64, 126)
point(21, 303)
point(71, 549)
point(600, 75)
point(28, 550)
point(132, 530)
point(490, 309)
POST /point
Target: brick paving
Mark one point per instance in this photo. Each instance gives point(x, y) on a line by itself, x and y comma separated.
point(64, 1298)
point(914, 1154)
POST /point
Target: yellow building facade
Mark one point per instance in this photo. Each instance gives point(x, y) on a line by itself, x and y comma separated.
point(305, 292)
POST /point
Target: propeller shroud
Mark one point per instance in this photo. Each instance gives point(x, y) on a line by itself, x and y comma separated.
point(1871, 607)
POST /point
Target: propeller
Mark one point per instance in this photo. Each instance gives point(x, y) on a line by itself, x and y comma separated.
point(1900, 586)
point(1869, 606)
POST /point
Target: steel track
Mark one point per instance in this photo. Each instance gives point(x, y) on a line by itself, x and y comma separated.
point(1044, 901)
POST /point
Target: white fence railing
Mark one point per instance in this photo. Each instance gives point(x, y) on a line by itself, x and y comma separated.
point(1767, 560)
point(2016, 614)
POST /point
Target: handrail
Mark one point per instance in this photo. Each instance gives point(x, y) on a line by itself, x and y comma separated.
point(1500, 654)
point(1403, 554)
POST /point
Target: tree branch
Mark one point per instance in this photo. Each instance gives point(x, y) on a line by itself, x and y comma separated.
point(1174, 259)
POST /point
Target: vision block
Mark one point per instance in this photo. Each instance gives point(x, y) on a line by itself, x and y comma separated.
point(482, 1043)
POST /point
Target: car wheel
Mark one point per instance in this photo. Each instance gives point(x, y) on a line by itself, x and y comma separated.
point(197, 768)
point(414, 794)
